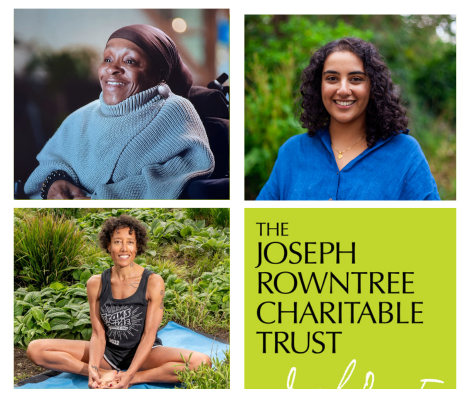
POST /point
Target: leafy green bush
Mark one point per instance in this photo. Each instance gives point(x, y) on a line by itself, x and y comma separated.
point(439, 84)
point(203, 243)
point(205, 377)
point(269, 108)
point(64, 65)
point(54, 312)
point(214, 287)
point(215, 216)
point(193, 313)
point(204, 304)
point(47, 249)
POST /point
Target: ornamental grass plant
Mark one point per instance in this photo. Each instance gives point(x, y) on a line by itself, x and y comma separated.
point(205, 377)
point(47, 249)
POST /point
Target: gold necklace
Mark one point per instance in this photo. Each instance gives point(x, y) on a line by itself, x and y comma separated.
point(340, 155)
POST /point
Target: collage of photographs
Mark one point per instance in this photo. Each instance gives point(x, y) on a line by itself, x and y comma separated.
point(131, 107)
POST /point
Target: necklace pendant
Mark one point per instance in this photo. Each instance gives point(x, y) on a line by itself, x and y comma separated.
point(340, 156)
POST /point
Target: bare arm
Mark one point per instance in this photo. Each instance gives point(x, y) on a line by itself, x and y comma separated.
point(98, 337)
point(155, 294)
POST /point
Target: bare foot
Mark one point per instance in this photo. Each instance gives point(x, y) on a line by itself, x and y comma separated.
point(107, 376)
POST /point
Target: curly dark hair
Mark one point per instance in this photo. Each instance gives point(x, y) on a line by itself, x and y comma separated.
point(385, 115)
point(124, 221)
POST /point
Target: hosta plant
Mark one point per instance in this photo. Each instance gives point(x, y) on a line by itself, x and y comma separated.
point(56, 311)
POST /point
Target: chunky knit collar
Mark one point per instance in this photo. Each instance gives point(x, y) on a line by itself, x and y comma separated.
point(131, 104)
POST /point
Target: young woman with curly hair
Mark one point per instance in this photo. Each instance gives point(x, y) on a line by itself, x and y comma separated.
point(126, 309)
point(357, 146)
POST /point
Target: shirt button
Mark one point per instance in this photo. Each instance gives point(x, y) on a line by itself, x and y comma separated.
point(337, 173)
point(330, 198)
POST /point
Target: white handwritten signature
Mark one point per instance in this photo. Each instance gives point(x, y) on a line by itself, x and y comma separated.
point(344, 379)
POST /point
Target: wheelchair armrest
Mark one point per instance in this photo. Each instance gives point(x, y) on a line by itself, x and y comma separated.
point(203, 189)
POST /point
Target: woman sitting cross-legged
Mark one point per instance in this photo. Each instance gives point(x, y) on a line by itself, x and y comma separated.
point(126, 309)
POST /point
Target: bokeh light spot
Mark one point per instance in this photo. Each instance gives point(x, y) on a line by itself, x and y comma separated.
point(179, 25)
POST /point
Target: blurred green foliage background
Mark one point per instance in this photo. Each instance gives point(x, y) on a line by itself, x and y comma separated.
point(420, 51)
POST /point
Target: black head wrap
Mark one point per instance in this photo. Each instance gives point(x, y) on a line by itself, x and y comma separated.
point(163, 53)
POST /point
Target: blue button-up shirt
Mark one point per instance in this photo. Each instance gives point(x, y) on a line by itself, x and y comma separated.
point(393, 169)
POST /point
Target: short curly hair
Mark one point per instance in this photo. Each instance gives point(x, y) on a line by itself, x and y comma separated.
point(385, 114)
point(124, 221)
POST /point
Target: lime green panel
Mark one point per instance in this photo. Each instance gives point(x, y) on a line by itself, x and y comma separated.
point(409, 251)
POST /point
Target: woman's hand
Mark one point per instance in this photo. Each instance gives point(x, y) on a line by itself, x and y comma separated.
point(65, 190)
point(121, 381)
point(94, 379)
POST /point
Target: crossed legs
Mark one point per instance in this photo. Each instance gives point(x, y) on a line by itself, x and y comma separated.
point(73, 356)
point(161, 363)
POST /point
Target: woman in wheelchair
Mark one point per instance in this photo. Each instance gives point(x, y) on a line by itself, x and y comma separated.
point(142, 139)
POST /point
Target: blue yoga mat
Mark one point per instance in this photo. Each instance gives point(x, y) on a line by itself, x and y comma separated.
point(172, 335)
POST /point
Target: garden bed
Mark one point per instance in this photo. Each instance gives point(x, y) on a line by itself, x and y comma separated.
point(23, 368)
point(188, 248)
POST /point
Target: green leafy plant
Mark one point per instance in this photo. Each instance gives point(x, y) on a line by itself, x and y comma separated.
point(56, 311)
point(207, 244)
point(19, 377)
point(194, 313)
point(213, 216)
point(215, 286)
point(63, 65)
point(47, 249)
point(204, 376)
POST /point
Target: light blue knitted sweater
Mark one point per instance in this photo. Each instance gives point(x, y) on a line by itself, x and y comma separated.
point(147, 146)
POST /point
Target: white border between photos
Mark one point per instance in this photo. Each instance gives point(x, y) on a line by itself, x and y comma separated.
point(237, 203)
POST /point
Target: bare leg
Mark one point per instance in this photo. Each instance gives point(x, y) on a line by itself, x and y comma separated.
point(73, 356)
point(66, 356)
point(160, 365)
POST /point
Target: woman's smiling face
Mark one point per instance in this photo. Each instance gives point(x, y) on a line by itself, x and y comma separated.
point(345, 87)
point(125, 71)
point(123, 247)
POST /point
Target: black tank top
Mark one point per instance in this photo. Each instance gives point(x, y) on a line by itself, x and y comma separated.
point(124, 319)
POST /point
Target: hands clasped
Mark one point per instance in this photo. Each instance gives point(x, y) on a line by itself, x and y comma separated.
point(65, 190)
point(122, 380)
point(109, 380)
